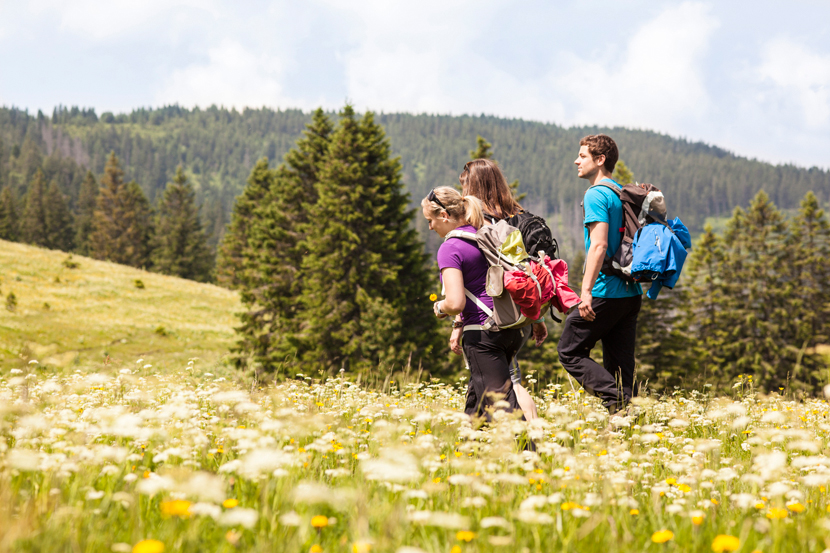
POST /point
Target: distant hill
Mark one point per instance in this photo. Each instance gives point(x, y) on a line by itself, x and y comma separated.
point(219, 146)
point(66, 315)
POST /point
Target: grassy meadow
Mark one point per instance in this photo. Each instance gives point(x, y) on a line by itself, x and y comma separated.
point(162, 449)
point(67, 315)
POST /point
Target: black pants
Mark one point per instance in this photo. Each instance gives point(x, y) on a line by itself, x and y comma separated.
point(616, 325)
point(488, 354)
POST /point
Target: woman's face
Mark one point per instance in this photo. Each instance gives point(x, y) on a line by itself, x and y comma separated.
point(440, 223)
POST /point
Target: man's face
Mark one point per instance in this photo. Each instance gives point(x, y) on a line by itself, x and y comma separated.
point(587, 166)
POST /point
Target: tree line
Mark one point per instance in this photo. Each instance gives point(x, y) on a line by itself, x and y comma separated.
point(112, 220)
point(219, 146)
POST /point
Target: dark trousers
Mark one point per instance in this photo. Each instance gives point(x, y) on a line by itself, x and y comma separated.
point(488, 354)
point(616, 326)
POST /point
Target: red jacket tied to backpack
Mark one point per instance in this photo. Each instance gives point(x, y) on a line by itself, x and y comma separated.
point(552, 288)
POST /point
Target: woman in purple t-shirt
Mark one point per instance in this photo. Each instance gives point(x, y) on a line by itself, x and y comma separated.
point(464, 270)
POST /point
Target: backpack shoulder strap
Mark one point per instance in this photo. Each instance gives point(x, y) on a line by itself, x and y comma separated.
point(608, 185)
point(460, 234)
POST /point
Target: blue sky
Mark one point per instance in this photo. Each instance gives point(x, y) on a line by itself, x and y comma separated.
point(750, 76)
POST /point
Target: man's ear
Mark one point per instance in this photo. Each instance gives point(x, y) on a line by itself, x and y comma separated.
point(600, 159)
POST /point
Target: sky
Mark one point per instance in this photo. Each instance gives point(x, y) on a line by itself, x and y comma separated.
point(750, 76)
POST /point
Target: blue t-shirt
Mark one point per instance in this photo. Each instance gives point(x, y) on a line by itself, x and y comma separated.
point(464, 255)
point(603, 206)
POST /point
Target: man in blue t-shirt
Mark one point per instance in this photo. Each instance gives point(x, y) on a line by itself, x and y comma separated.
point(609, 307)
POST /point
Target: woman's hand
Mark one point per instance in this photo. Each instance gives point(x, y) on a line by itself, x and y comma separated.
point(540, 332)
point(455, 340)
point(436, 308)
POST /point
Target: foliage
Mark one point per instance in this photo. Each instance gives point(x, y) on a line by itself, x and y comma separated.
point(179, 245)
point(84, 222)
point(9, 220)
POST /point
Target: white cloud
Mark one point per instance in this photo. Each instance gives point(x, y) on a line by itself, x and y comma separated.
point(101, 19)
point(800, 77)
point(232, 76)
point(657, 83)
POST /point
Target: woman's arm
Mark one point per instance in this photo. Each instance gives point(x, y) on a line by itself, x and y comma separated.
point(455, 300)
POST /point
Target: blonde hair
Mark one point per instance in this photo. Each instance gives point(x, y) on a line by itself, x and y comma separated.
point(467, 208)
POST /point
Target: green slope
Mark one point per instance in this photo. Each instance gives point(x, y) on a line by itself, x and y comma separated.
point(67, 316)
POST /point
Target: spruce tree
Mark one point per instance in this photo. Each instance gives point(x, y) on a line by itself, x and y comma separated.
point(87, 201)
point(234, 249)
point(122, 220)
point(364, 260)
point(180, 245)
point(622, 174)
point(9, 221)
point(33, 224)
point(274, 248)
point(59, 226)
point(810, 299)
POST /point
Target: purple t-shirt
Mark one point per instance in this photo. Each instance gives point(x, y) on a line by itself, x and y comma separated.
point(458, 253)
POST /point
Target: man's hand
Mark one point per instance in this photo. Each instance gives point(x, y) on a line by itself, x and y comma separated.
point(540, 332)
point(585, 309)
point(455, 341)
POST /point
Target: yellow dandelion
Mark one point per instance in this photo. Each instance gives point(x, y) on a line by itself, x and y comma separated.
point(458, 454)
point(230, 503)
point(697, 520)
point(671, 481)
point(662, 536)
point(724, 542)
point(634, 512)
point(148, 546)
point(568, 505)
point(176, 508)
point(361, 547)
point(436, 480)
point(465, 535)
point(433, 297)
point(774, 514)
point(715, 501)
point(320, 521)
point(455, 549)
point(316, 548)
point(685, 488)
point(760, 505)
point(796, 508)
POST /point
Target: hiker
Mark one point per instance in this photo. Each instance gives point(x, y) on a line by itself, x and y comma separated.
point(609, 307)
point(483, 179)
point(463, 266)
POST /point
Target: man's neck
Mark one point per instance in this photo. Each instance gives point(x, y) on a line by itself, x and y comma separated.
point(598, 176)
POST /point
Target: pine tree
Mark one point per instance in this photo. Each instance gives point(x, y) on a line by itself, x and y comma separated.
point(87, 201)
point(234, 249)
point(364, 259)
point(810, 299)
point(180, 245)
point(59, 228)
point(122, 224)
point(9, 222)
point(33, 224)
point(274, 250)
point(622, 174)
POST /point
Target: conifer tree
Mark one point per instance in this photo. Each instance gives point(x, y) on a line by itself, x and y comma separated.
point(33, 224)
point(59, 229)
point(9, 222)
point(622, 174)
point(180, 245)
point(274, 248)
point(365, 290)
point(810, 299)
point(87, 201)
point(234, 249)
point(122, 223)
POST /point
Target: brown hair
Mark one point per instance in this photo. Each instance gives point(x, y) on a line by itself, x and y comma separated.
point(602, 145)
point(483, 179)
point(467, 208)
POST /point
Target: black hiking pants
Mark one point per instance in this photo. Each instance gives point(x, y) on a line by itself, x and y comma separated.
point(488, 355)
point(616, 326)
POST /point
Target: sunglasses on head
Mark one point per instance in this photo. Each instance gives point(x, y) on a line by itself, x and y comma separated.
point(431, 197)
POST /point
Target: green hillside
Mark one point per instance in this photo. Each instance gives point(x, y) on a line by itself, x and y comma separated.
point(80, 315)
point(218, 147)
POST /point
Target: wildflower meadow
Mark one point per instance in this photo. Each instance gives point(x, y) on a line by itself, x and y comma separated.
point(133, 460)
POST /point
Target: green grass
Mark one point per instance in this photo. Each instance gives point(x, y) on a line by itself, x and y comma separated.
point(79, 316)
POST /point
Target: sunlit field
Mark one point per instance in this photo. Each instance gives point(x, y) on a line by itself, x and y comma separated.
point(188, 461)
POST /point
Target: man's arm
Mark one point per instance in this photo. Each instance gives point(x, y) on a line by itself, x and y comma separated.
point(593, 264)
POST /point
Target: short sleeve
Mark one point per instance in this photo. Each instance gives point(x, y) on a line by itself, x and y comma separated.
point(449, 255)
point(597, 207)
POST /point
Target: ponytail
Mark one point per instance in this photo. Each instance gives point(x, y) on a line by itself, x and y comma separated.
point(473, 212)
